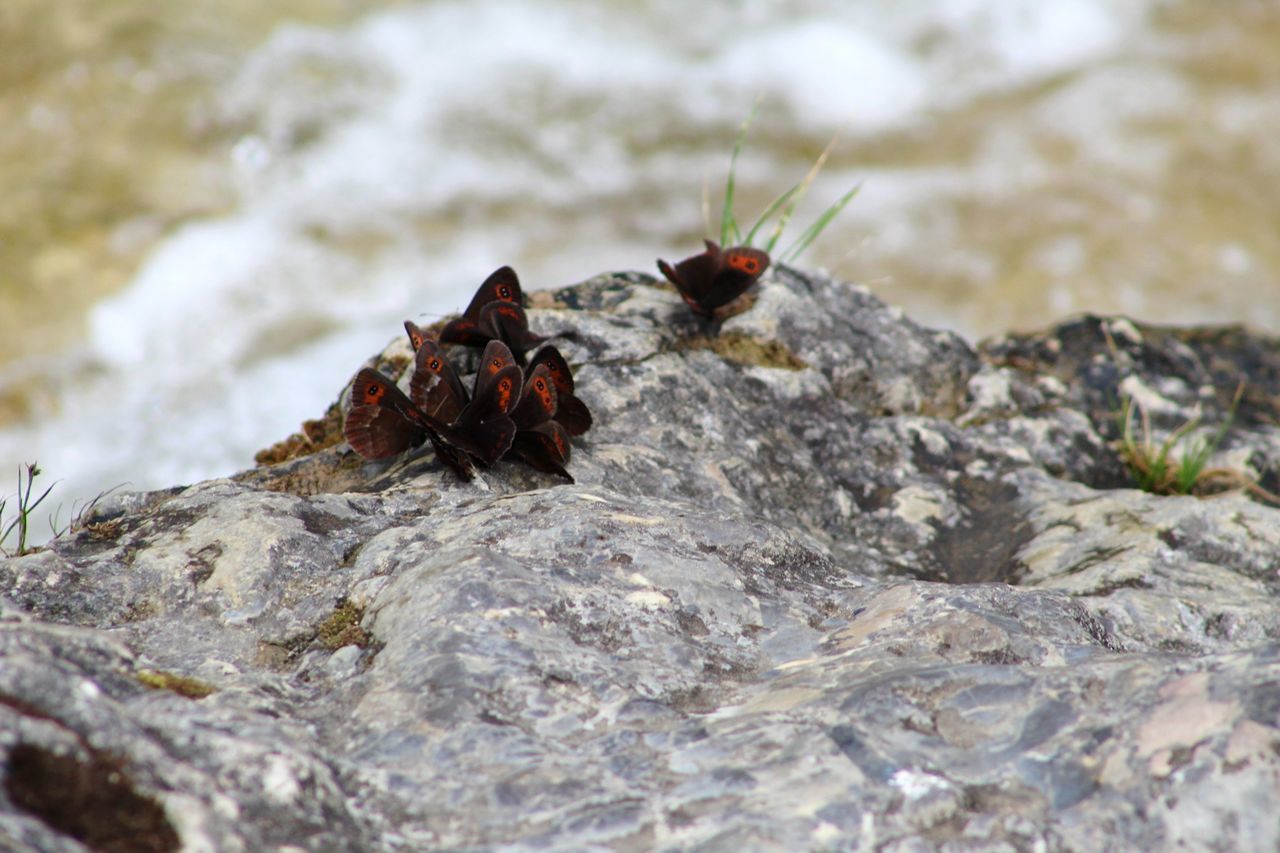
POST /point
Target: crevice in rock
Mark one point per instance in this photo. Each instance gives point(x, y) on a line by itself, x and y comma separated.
point(92, 800)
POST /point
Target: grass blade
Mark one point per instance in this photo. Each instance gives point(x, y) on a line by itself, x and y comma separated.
point(769, 212)
point(819, 225)
point(728, 224)
point(801, 189)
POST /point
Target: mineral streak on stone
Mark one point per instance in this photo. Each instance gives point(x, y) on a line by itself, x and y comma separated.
point(857, 585)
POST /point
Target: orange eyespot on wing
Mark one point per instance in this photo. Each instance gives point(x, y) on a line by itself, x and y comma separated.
point(502, 284)
point(545, 391)
point(497, 357)
point(557, 368)
point(371, 388)
point(369, 392)
point(504, 393)
point(752, 262)
point(416, 334)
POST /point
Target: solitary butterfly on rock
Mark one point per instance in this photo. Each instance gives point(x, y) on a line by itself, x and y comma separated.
point(716, 277)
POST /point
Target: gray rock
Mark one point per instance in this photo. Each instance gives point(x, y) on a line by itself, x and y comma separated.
point(826, 579)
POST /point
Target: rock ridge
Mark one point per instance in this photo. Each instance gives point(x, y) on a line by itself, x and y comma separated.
point(827, 578)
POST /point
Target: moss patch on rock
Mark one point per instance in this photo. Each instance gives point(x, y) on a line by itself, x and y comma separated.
point(342, 628)
point(315, 435)
point(741, 348)
point(183, 685)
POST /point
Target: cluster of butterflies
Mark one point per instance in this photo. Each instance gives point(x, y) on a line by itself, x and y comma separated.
point(527, 410)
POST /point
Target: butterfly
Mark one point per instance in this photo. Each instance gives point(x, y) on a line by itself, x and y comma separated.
point(486, 419)
point(716, 277)
point(434, 385)
point(540, 440)
point(383, 422)
point(437, 390)
point(416, 333)
point(571, 412)
point(496, 313)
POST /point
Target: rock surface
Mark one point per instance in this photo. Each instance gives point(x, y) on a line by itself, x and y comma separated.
point(826, 580)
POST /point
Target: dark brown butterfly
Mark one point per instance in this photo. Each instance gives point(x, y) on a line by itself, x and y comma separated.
point(503, 299)
point(540, 440)
point(486, 419)
point(383, 422)
point(416, 333)
point(496, 313)
point(715, 278)
point(435, 387)
point(571, 412)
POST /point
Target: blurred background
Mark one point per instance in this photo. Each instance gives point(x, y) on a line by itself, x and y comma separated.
point(212, 213)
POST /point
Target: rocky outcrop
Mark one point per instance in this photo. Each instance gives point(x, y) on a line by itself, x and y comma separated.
point(826, 579)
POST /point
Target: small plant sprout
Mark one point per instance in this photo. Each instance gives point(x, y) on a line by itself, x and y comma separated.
point(25, 507)
point(781, 209)
point(1178, 465)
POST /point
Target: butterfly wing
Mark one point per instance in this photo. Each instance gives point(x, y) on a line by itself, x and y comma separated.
point(379, 423)
point(496, 357)
point(502, 285)
point(486, 421)
point(573, 415)
point(557, 368)
point(537, 400)
point(383, 422)
point(507, 322)
point(694, 277)
point(715, 278)
point(435, 387)
point(571, 412)
point(416, 334)
point(460, 330)
point(740, 268)
point(377, 433)
point(744, 260)
point(545, 447)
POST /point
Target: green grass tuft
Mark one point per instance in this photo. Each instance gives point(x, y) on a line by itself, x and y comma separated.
point(26, 506)
point(1179, 464)
point(781, 209)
